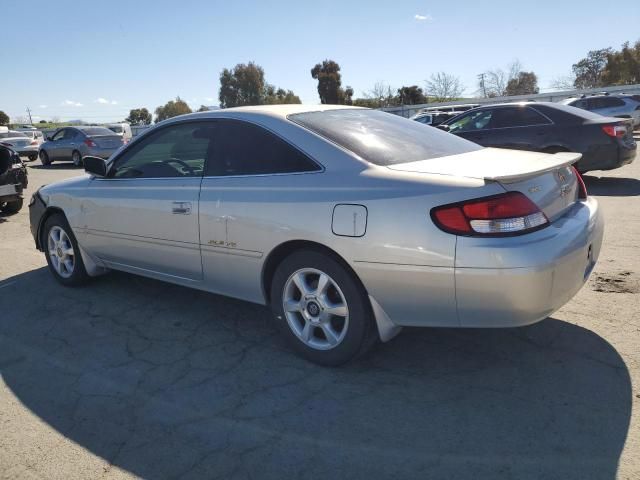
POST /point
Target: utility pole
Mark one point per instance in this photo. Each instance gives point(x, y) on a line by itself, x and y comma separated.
point(484, 90)
point(30, 120)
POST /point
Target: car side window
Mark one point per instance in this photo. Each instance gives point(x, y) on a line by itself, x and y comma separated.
point(70, 133)
point(59, 135)
point(242, 148)
point(477, 120)
point(175, 151)
point(517, 117)
point(611, 102)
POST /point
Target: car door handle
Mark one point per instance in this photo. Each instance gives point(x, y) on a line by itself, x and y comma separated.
point(181, 208)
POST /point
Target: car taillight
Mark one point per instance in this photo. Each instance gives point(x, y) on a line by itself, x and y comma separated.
point(510, 213)
point(33, 142)
point(582, 188)
point(615, 130)
point(90, 143)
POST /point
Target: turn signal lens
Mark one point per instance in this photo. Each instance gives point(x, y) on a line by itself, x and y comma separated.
point(510, 213)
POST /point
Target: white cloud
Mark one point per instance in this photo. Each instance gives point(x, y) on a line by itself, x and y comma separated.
point(209, 99)
point(423, 18)
point(42, 106)
point(71, 103)
point(114, 102)
point(101, 100)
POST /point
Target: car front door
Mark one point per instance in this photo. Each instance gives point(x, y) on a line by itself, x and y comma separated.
point(55, 146)
point(143, 217)
point(474, 126)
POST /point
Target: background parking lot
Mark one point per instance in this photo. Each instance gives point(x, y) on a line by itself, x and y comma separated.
point(133, 377)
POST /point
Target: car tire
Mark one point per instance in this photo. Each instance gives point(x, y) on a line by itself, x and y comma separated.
point(32, 158)
point(12, 207)
point(44, 158)
point(308, 321)
point(60, 244)
point(76, 158)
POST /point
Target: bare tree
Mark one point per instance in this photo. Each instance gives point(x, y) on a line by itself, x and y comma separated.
point(381, 95)
point(493, 83)
point(565, 82)
point(20, 119)
point(443, 87)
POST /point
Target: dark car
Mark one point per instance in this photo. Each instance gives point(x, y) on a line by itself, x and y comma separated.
point(75, 143)
point(604, 142)
point(434, 118)
point(13, 180)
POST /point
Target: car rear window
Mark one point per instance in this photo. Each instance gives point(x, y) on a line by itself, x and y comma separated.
point(11, 134)
point(95, 131)
point(577, 112)
point(115, 128)
point(382, 138)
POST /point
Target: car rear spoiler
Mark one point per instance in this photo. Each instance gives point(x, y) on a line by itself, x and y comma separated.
point(544, 164)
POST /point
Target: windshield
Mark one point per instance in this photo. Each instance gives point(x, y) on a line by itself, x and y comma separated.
point(382, 138)
point(11, 134)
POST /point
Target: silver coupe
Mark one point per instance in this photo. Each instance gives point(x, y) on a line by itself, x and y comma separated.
point(349, 223)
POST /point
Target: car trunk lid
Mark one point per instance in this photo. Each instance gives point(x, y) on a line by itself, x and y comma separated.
point(107, 141)
point(548, 180)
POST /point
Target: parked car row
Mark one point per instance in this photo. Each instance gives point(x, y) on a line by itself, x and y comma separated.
point(75, 143)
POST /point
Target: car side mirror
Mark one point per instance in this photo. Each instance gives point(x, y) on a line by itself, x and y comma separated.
point(443, 127)
point(95, 166)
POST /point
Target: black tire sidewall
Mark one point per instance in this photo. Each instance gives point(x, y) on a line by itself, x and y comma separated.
point(360, 325)
point(44, 158)
point(12, 207)
point(79, 164)
point(79, 275)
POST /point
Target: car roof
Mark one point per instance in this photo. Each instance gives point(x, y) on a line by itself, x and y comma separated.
point(275, 111)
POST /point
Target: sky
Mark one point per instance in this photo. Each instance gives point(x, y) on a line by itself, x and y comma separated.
point(97, 60)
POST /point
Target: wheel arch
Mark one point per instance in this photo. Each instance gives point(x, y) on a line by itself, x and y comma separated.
point(45, 216)
point(282, 251)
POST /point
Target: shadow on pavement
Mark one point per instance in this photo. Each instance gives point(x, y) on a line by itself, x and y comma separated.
point(56, 166)
point(612, 186)
point(168, 382)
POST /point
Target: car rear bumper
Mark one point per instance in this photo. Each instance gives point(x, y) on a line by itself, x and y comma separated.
point(497, 282)
point(27, 150)
point(536, 274)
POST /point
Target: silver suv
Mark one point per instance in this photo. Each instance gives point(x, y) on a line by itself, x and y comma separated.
point(623, 106)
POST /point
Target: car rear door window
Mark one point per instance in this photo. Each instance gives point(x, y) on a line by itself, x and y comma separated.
point(242, 148)
point(517, 117)
point(174, 151)
point(476, 120)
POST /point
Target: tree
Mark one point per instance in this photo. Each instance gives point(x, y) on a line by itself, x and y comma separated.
point(493, 83)
point(412, 95)
point(589, 70)
point(381, 95)
point(525, 83)
point(4, 118)
point(43, 121)
point(623, 67)
point(172, 108)
point(330, 83)
point(139, 116)
point(246, 85)
point(443, 87)
point(563, 82)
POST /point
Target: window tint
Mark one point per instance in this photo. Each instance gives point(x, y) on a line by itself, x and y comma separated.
point(174, 151)
point(95, 131)
point(611, 102)
point(242, 148)
point(70, 133)
point(382, 138)
point(475, 120)
point(517, 117)
point(60, 134)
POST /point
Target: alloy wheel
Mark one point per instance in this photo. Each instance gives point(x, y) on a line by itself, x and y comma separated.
point(61, 252)
point(315, 308)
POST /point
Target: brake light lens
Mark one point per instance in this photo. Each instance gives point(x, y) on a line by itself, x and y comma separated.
point(90, 143)
point(582, 188)
point(510, 213)
point(33, 142)
point(616, 131)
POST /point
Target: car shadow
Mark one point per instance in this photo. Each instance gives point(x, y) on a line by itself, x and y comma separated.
point(165, 382)
point(612, 186)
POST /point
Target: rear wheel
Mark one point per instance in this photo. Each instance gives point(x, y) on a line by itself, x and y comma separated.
point(44, 158)
point(76, 158)
point(62, 252)
point(322, 310)
point(33, 157)
point(11, 207)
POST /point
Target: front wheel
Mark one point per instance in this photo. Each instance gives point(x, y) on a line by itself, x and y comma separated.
point(62, 252)
point(44, 158)
point(11, 207)
point(33, 157)
point(322, 310)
